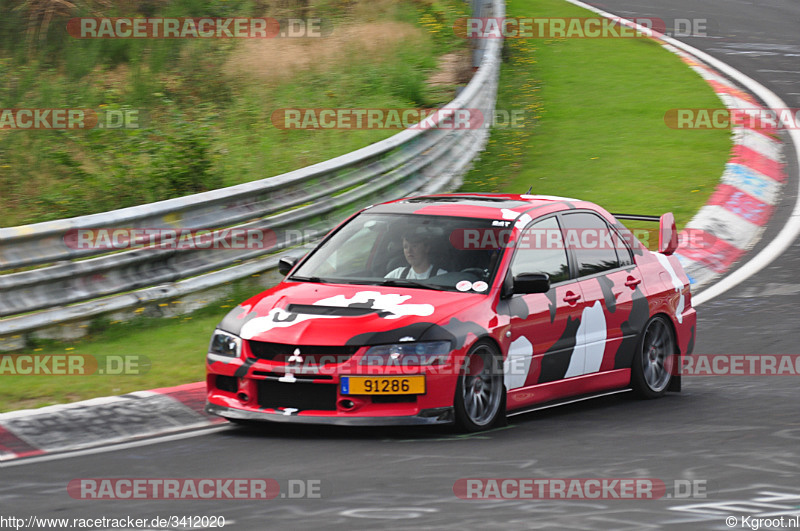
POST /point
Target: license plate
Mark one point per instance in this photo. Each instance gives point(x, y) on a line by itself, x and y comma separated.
point(383, 385)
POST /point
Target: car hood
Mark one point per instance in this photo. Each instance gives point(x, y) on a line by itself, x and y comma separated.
point(340, 314)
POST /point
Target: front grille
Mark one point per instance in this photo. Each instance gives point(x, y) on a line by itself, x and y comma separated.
point(311, 354)
point(297, 375)
point(302, 396)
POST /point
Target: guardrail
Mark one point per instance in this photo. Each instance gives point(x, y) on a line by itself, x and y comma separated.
point(60, 283)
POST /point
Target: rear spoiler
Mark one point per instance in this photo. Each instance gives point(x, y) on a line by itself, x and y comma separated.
point(667, 231)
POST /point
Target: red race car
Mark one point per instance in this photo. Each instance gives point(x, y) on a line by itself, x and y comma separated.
point(457, 308)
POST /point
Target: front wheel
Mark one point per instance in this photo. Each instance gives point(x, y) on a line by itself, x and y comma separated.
point(480, 392)
point(654, 359)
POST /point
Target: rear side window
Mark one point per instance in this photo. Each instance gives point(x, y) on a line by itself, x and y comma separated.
point(541, 250)
point(593, 243)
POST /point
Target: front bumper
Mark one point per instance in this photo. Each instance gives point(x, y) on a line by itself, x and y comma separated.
point(442, 415)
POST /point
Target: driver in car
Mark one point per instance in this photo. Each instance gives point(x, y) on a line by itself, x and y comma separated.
point(416, 249)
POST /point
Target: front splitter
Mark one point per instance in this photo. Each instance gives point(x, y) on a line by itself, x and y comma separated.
point(442, 415)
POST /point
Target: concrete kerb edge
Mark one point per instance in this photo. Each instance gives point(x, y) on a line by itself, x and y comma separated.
point(103, 421)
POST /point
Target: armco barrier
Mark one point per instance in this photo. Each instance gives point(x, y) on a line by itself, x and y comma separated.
point(44, 281)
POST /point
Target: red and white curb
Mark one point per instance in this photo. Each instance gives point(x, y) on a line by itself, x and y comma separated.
point(103, 421)
point(737, 212)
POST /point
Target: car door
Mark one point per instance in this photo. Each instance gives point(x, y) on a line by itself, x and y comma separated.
point(610, 284)
point(544, 326)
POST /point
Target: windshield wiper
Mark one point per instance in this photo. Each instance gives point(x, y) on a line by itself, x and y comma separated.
point(408, 283)
point(387, 282)
point(306, 279)
point(320, 280)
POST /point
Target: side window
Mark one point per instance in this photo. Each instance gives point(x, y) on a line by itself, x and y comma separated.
point(592, 241)
point(541, 250)
point(623, 251)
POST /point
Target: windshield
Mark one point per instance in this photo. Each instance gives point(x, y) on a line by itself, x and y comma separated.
point(429, 252)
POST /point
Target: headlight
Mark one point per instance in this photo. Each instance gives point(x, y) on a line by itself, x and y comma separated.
point(225, 344)
point(408, 354)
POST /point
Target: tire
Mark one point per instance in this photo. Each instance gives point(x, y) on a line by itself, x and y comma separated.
point(654, 359)
point(479, 402)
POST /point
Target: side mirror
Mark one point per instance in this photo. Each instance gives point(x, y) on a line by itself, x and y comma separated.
point(667, 234)
point(286, 264)
point(532, 283)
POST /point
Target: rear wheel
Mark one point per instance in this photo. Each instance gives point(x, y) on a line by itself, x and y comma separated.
point(480, 392)
point(654, 359)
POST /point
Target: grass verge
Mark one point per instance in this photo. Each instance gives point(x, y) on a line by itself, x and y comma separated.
point(594, 123)
point(164, 352)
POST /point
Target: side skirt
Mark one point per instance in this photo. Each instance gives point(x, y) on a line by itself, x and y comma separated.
point(565, 401)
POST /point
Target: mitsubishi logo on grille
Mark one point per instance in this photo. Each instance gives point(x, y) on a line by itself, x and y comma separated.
point(296, 357)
